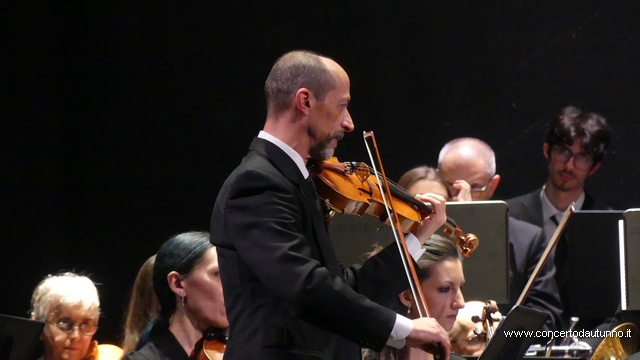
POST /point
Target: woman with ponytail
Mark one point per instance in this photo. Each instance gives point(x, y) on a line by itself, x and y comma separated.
point(186, 280)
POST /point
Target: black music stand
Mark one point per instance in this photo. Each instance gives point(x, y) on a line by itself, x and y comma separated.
point(486, 270)
point(594, 263)
point(520, 318)
point(20, 338)
point(631, 271)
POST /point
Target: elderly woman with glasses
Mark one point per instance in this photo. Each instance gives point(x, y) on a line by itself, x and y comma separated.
point(68, 304)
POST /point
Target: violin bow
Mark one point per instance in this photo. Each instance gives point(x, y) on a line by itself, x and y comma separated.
point(410, 270)
point(552, 242)
point(394, 221)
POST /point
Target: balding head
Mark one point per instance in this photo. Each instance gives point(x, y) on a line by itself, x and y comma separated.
point(472, 161)
point(464, 151)
point(295, 70)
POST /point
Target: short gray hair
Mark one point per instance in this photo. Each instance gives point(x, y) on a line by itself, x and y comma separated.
point(64, 290)
point(295, 70)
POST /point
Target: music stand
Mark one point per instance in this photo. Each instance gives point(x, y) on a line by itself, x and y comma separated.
point(354, 236)
point(594, 263)
point(505, 344)
point(486, 270)
point(19, 338)
point(630, 267)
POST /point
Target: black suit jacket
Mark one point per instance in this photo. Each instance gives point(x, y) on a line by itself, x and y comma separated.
point(527, 244)
point(286, 294)
point(528, 208)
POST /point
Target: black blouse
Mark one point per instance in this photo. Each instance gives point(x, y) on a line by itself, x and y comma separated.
point(164, 346)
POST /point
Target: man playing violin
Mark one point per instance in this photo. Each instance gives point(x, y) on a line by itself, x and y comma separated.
point(468, 167)
point(287, 297)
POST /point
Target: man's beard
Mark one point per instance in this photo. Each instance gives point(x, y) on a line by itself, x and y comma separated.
point(323, 150)
point(563, 185)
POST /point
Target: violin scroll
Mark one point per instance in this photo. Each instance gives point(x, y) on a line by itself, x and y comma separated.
point(467, 243)
point(487, 319)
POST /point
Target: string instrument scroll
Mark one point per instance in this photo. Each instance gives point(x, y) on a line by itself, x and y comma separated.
point(487, 320)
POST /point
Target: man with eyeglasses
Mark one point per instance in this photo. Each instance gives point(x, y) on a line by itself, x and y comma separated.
point(575, 146)
point(468, 167)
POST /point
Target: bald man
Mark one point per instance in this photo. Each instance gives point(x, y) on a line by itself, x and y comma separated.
point(286, 294)
point(468, 167)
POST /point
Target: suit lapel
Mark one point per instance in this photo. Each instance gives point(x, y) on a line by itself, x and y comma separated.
point(533, 208)
point(320, 227)
point(291, 171)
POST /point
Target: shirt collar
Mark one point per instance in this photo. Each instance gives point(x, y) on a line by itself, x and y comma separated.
point(549, 210)
point(288, 150)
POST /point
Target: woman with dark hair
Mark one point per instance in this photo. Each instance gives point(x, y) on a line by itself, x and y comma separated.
point(186, 280)
point(143, 306)
point(440, 272)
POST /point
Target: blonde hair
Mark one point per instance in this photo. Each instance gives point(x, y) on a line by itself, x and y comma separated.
point(64, 290)
point(143, 306)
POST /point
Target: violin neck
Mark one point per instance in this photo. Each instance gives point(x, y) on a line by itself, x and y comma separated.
point(401, 194)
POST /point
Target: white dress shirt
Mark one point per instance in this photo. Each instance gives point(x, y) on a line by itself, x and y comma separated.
point(548, 210)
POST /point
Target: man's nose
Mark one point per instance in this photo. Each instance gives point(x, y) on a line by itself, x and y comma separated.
point(571, 162)
point(347, 123)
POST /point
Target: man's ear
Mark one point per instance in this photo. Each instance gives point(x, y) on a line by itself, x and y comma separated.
point(304, 100)
point(176, 283)
point(545, 151)
point(493, 184)
point(406, 298)
point(594, 169)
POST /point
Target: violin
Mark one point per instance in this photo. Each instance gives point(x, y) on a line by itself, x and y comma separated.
point(212, 345)
point(487, 320)
point(350, 188)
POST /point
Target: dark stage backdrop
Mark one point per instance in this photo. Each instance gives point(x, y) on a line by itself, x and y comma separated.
point(120, 122)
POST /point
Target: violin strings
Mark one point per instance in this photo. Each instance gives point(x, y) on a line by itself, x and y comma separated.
point(391, 182)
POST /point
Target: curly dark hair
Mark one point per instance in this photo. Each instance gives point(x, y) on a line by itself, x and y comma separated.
point(572, 124)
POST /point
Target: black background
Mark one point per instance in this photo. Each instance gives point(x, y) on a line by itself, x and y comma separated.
point(122, 121)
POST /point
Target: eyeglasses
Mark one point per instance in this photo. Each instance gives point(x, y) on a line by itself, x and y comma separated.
point(65, 325)
point(563, 154)
point(473, 188)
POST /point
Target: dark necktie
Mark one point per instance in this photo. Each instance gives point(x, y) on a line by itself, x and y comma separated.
point(314, 192)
